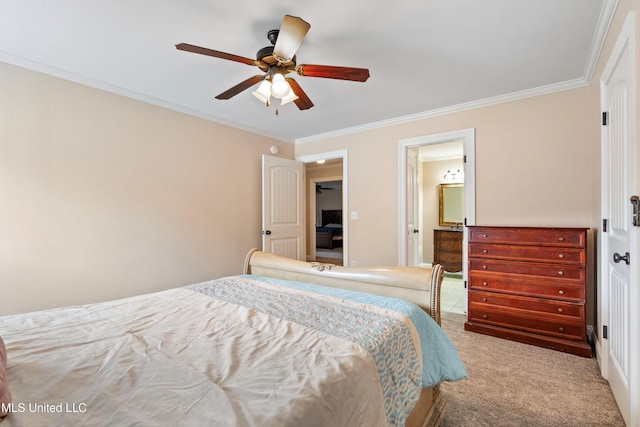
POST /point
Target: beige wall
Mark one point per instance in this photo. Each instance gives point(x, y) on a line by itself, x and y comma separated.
point(534, 161)
point(102, 196)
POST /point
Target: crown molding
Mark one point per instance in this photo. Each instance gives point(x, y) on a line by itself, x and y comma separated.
point(542, 90)
point(600, 35)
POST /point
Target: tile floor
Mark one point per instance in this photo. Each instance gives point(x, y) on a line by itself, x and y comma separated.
point(451, 295)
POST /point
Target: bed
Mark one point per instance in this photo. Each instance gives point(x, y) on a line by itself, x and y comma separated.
point(329, 235)
point(259, 349)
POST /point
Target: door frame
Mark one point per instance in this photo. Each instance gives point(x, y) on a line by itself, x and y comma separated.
point(344, 155)
point(626, 38)
point(469, 141)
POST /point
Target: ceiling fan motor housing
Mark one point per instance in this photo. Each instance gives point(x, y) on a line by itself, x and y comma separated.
point(266, 55)
point(273, 36)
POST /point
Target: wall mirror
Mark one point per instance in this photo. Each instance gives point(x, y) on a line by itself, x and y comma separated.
point(451, 205)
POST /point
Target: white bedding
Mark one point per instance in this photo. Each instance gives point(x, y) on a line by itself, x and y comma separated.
point(200, 362)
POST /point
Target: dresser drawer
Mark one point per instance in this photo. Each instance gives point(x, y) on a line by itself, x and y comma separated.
point(575, 272)
point(564, 290)
point(568, 237)
point(528, 253)
point(525, 320)
point(527, 303)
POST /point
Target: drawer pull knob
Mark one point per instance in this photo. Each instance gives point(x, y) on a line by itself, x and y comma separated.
point(485, 284)
point(484, 251)
point(561, 329)
point(561, 256)
point(561, 239)
point(484, 236)
point(485, 316)
point(484, 267)
point(484, 300)
point(561, 292)
point(561, 273)
point(560, 310)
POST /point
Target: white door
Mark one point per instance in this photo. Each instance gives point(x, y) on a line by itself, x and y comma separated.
point(413, 208)
point(283, 207)
point(618, 258)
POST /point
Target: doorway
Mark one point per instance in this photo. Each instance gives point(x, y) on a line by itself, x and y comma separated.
point(326, 213)
point(327, 231)
point(441, 213)
point(427, 165)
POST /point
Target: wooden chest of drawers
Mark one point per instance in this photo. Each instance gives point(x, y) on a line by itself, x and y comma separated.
point(528, 284)
point(447, 249)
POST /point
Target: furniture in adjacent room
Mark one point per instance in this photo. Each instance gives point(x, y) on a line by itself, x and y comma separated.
point(528, 284)
point(447, 249)
point(329, 235)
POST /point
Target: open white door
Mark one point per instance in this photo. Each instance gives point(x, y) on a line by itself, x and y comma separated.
point(619, 259)
point(413, 208)
point(283, 207)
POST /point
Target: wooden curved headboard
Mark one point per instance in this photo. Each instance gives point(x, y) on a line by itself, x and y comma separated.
point(416, 284)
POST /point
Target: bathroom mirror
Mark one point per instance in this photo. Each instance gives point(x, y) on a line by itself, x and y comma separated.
point(451, 205)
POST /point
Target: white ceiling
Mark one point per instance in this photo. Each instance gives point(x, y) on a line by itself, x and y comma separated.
point(424, 56)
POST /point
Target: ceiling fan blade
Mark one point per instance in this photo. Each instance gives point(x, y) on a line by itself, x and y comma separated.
point(303, 102)
point(215, 53)
point(331, 72)
point(240, 87)
point(292, 32)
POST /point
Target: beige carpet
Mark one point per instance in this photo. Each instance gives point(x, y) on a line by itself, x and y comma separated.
point(513, 384)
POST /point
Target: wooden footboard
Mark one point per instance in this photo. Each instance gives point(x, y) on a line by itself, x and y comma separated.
point(416, 284)
point(429, 410)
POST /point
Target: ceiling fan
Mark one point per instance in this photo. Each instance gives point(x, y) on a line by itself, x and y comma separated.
point(319, 188)
point(277, 61)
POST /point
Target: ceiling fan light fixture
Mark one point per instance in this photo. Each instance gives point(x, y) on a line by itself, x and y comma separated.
point(279, 86)
point(289, 98)
point(263, 93)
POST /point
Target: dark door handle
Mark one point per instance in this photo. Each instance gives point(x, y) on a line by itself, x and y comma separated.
point(626, 258)
point(267, 232)
point(416, 231)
